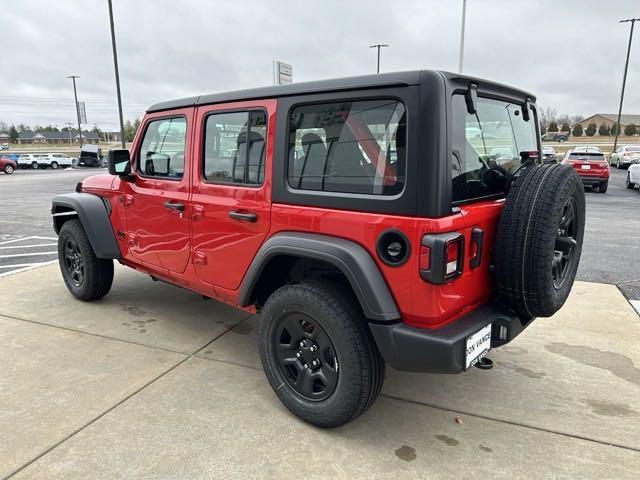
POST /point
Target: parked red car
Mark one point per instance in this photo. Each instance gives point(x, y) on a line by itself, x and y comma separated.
point(591, 165)
point(7, 165)
point(368, 220)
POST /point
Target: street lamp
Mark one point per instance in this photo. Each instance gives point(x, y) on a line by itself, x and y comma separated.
point(115, 67)
point(75, 96)
point(378, 46)
point(624, 78)
point(464, 12)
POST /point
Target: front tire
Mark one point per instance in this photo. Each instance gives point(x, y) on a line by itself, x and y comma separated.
point(318, 353)
point(54, 165)
point(86, 276)
point(628, 182)
point(8, 169)
point(34, 165)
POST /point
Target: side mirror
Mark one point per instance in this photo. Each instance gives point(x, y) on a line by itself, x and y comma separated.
point(119, 162)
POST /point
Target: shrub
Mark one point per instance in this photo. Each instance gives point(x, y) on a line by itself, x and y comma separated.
point(565, 128)
point(604, 130)
point(577, 130)
point(630, 129)
point(591, 130)
point(615, 129)
point(553, 127)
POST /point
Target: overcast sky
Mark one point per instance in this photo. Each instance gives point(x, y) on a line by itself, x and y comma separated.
point(569, 53)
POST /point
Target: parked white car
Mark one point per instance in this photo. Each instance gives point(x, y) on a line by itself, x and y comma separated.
point(44, 160)
point(625, 156)
point(633, 175)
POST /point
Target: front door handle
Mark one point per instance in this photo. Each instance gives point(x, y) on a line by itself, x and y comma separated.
point(243, 216)
point(178, 207)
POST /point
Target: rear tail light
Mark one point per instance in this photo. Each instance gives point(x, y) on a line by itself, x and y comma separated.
point(453, 257)
point(441, 257)
point(425, 257)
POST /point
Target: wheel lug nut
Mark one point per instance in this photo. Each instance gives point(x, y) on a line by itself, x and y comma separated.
point(313, 348)
point(302, 344)
point(315, 363)
point(298, 354)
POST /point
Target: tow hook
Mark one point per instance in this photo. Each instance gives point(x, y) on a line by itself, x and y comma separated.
point(484, 364)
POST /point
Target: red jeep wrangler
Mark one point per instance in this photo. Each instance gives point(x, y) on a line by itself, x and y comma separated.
point(399, 218)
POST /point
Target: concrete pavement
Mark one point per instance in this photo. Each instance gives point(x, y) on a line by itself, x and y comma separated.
point(154, 382)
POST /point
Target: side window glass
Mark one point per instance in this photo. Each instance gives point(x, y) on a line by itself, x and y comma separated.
point(162, 149)
point(234, 147)
point(349, 147)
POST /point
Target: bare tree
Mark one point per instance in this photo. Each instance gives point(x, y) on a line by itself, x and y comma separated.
point(576, 118)
point(547, 115)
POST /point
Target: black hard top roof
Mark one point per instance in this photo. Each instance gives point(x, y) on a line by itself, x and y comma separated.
point(396, 79)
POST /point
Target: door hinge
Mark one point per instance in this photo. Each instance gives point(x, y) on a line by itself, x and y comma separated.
point(197, 212)
point(126, 199)
point(199, 258)
point(131, 240)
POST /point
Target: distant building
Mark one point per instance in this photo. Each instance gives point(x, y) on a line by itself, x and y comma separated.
point(4, 137)
point(29, 137)
point(609, 119)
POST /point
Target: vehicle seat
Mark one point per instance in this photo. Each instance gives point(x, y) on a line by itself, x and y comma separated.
point(256, 158)
point(311, 167)
point(347, 169)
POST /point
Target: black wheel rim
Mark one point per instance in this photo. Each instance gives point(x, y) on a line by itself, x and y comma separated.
point(73, 262)
point(565, 243)
point(306, 357)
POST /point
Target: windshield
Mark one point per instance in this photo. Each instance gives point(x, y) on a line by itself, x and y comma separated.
point(487, 146)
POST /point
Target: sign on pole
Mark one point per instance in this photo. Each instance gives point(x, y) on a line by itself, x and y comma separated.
point(83, 112)
point(282, 73)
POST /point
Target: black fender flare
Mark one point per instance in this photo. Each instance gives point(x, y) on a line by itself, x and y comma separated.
point(350, 258)
point(93, 215)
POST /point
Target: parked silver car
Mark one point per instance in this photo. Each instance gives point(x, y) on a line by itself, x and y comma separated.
point(625, 156)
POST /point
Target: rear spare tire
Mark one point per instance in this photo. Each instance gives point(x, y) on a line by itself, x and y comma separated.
point(539, 239)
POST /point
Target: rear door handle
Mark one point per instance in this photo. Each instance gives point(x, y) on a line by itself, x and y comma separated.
point(179, 207)
point(243, 217)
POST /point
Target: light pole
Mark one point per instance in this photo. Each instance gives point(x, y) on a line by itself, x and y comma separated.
point(464, 13)
point(75, 96)
point(378, 46)
point(69, 124)
point(115, 67)
point(624, 78)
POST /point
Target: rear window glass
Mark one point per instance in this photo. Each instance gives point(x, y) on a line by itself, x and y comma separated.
point(486, 146)
point(586, 156)
point(349, 147)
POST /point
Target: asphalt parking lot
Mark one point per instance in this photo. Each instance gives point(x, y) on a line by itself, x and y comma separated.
point(155, 382)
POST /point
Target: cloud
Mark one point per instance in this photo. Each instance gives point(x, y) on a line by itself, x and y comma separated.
point(570, 54)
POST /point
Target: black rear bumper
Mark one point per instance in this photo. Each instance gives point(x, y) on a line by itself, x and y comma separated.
point(591, 181)
point(443, 350)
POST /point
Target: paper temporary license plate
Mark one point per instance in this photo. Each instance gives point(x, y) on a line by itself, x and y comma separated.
point(586, 167)
point(478, 345)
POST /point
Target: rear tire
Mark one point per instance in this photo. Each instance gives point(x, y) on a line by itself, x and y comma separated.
point(86, 276)
point(350, 369)
point(539, 240)
point(34, 165)
point(602, 188)
point(54, 165)
point(8, 169)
